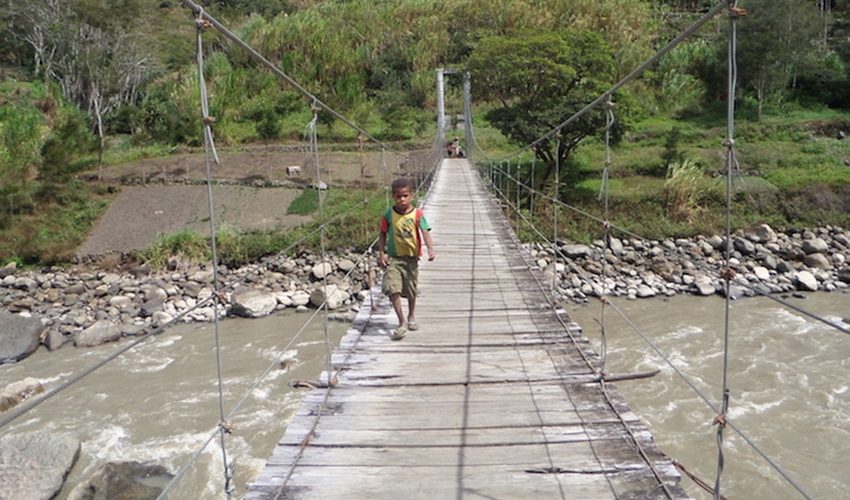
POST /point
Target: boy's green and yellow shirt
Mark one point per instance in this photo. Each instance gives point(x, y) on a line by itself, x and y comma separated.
point(404, 238)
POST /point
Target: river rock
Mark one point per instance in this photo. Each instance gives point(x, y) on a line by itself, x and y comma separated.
point(19, 336)
point(18, 391)
point(99, 333)
point(334, 296)
point(814, 245)
point(844, 275)
point(253, 303)
point(34, 465)
point(817, 260)
point(575, 251)
point(123, 480)
point(9, 269)
point(322, 269)
point(762, 233)
point(346, 265)
point(806, 281)
point(704, 286)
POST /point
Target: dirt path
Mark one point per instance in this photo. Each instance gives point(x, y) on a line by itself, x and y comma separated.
point(164, 195)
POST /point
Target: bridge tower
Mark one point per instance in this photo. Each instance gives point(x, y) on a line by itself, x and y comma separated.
point(441, 109)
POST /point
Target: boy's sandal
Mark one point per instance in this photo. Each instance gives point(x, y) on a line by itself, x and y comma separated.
point(413, 326)
point(398, 333)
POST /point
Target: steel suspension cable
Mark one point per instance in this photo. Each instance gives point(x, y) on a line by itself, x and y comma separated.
point(279, 73)
point(679, 373)
point(738, 279)
point(209, 150)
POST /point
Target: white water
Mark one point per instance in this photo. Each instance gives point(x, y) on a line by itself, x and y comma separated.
point(159, 402)
point(788, 377)
point(788, 382)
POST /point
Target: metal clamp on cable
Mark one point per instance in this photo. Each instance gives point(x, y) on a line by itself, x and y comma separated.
point(728, 274)
point(719, 420)
point(737, 12)
point(227, 426)
point(209, 120)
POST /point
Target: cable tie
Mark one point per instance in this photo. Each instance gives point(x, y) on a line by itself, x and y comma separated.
point(227, 426)
point(737, 12)
point(209, 120)
point(719, 420)
point(203, 24)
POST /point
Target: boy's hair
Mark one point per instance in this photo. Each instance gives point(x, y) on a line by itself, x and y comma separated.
point(401, 183)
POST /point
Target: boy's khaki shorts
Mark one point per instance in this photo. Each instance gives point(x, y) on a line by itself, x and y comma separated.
point(402, 276)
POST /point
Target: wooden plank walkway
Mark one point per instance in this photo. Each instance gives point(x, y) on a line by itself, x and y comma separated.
point(489, 399)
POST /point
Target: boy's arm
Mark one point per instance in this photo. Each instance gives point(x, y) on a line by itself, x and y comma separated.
point(382, 242)
point(426, 236)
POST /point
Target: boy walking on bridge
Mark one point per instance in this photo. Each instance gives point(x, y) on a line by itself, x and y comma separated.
point(403, 228)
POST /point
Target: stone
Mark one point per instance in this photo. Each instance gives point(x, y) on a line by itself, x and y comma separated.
point(806, 281)
point(120, 301)
point(334, 296)
point(704, 286)
point(575, 251)
point(9, 269)
point(761, 273)
point(41, 463)
point(19, 336)
point(99, 333)
point(300, 298)
point(55, 340)
point(161, 318)
point(763, 233)
point(715, 241)
point(814, 245)
point(346, 265)
point(644, 291)
point(616, 246)
point(321, 270)
point(19, 391)
point(253, 303)
point(151, 307)
point(123, 480)
point(817, 260)
point(744, 246)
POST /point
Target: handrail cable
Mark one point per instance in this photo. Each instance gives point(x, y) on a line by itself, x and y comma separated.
point(18, 411)
point(331, 376)
point(209, 150)
point(693, 386)
point(259, 379)
point(600, 376)
point(738, 279)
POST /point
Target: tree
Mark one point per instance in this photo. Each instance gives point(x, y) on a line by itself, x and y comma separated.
point(774, 40)
point(539, 80)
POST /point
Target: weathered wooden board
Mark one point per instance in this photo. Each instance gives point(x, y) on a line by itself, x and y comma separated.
point(495, 396)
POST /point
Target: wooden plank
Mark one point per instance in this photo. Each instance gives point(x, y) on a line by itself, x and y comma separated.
point(494, 396)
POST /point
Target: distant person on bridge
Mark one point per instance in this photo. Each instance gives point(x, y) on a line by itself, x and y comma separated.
point(454, 150)
point(403, 228)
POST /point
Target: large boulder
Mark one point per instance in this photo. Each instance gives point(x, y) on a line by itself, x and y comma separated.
point(123, 480)
point(99, 333)
point(19, 336)
point(335, 297)
point(814, 245)
point(806, 281)
point(34, 465)
point(253, 303)
point(18, 391)
point(575, 251)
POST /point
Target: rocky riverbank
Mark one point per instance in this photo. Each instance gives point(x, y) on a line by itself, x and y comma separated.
point(762, 261)
point(87, 306)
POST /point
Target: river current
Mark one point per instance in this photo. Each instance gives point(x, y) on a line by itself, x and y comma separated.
point(788, 381)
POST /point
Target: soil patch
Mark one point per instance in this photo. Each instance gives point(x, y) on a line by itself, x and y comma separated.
point(140, 213)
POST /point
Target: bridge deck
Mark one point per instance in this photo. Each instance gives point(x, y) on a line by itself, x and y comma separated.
point(489, 399)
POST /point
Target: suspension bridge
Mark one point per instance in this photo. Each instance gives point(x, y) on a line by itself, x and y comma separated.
point(498, 394)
